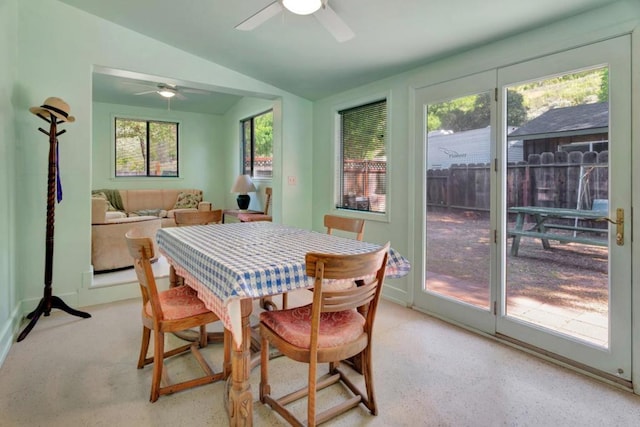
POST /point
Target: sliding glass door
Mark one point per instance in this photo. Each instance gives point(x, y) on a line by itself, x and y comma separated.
point(524, 188)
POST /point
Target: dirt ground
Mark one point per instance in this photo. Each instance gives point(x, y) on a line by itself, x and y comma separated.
point(569, 274)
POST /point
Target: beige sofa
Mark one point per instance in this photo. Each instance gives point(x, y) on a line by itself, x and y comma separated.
point(108, 246)
point(136, 201)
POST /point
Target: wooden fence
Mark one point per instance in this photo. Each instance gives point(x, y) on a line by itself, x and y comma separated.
point(560, 179)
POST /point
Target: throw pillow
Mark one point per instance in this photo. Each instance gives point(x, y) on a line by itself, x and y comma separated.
point(104, 196)
point(187, 200)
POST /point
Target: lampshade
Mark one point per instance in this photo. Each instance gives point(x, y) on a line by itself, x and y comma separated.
point(243, 185)
point(302, 7)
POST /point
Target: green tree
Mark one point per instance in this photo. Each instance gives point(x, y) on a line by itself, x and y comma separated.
point(264, 135)
point(516, 110)
point(473, 112)
point(130, 147)
point(363, 132)
point(603, 93)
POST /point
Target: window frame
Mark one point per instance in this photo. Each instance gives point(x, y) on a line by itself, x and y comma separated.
point(112, 166)
point(251, 119)
point(337, 158)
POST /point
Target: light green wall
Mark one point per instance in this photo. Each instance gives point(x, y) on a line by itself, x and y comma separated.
point(60, 63)
point(294, 158)
point(201, 164)
point(8, 300)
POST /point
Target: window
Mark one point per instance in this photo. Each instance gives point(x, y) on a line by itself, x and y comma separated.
point(363, 160)
point(257, 145)
point(146, 148)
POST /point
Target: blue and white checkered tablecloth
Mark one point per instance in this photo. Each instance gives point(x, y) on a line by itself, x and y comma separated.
point(256, 259)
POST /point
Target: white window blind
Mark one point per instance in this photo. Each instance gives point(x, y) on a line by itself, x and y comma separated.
point(363, 168)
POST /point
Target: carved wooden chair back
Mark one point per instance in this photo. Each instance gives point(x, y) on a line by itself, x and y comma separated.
point(347, 319)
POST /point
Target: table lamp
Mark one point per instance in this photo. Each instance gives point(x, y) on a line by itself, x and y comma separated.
point(242, 186)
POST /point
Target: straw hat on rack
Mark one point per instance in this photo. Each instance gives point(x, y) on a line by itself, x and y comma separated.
point(53, 106)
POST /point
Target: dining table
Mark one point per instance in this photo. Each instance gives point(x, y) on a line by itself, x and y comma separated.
point(230, 265)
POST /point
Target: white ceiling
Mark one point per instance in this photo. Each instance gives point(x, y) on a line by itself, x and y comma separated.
point(297, 54)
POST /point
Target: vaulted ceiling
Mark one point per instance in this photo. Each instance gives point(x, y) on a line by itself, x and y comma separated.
point(297, 54)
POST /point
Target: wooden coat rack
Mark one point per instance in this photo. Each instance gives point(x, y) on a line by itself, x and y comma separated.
point(50, 301)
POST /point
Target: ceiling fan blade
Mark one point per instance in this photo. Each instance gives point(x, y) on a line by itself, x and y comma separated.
point(261, 17)
point(334, 24)
point(180, 96)
point(145, 92)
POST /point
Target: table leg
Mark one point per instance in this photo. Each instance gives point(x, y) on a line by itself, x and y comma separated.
point(240, 405)
point(516, 238)
point(540, 229)
point(174, 279)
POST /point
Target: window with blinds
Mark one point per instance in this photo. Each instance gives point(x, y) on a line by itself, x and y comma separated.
point(363, 168)
point(146, 148)
point(257, 145)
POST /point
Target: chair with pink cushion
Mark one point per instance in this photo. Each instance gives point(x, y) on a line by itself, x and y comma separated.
point(172, 310)
point(252, 217)
point(337, 325)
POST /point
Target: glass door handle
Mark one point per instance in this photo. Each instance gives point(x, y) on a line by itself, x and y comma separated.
point(619, 223)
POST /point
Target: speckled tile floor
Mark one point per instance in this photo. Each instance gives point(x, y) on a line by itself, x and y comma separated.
point(82, 372)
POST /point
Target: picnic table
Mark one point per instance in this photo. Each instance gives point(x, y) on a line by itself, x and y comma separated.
point(545, 231)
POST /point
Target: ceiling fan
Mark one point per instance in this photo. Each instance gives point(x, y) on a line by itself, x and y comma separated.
point(166, 91)
point(319, 8)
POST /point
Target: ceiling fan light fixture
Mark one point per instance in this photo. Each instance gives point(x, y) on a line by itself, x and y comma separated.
point(302, 7)
point(166, 93)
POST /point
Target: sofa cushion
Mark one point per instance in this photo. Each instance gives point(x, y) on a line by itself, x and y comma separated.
point(101, 195)
point(115, 215)
point(187, 200)
point(113, 196)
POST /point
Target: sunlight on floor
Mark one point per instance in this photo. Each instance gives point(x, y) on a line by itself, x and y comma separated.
point(160, 269)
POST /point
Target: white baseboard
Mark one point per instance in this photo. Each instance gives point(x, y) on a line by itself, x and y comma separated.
point(8, 332)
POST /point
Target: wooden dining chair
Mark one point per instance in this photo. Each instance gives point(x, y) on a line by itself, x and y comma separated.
point(252, 217)
point(183, 218)
point(335, 326)
point(332, 222)
point(353, 225)
point(172, 310)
